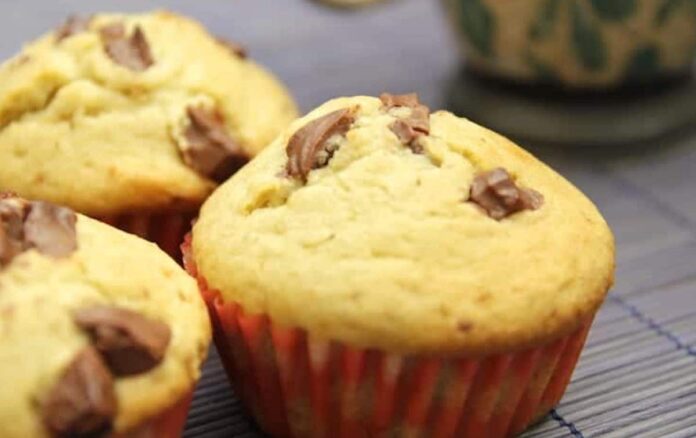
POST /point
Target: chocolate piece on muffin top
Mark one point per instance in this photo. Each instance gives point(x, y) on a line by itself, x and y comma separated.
point(24, 225)
point(99, 330)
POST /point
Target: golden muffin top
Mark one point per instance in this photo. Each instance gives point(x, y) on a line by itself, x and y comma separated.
point(376, 223)
point(99, 330)
point(115, 113)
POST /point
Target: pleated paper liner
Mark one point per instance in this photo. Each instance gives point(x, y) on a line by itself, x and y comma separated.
point(298, 386)
point(167, 230)
point(169, 424)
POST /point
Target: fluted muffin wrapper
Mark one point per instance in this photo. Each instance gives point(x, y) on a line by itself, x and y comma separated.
point(167, 230)
point(168, 424)
point(297, 385)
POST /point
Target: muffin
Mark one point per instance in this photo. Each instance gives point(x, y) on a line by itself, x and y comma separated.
point(585, 44)
point(133, 119)
point(382, 271)
point(101, 335)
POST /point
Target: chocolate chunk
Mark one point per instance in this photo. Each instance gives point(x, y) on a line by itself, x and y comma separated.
point(51, 229)
point(26, 225)
point(396, 100)
point(309, 148)
point(499, 196)
point(409, 129)
point(113, 31)
point(73, 25)
point(131, 52)
point(12, 214)
point(130, 343)
point(234, 48)
point(407, 134)
point(82, 403)
point(210, 151)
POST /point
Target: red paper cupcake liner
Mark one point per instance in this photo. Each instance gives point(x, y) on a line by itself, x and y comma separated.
point(167, 230)
point(169, 424)
point(297, 386)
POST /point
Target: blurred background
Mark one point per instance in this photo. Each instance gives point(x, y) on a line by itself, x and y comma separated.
point(629, 144)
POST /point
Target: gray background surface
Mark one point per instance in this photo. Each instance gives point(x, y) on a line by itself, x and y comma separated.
point(637, 376)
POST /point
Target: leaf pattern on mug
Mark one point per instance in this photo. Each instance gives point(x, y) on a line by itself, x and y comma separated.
point(614, 10)
point(546, 19)
point(644, 64)
point(542, 71)
point(478, 24)
point(669, 8)
point(587, 39)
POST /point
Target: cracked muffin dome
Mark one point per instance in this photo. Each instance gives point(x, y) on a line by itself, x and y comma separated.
point(374, 223)
point(100, 330)
point(119, 113)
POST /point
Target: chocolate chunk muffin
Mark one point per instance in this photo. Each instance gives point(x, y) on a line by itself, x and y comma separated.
point(133, 119)
point(101, 334)
point(381, 270)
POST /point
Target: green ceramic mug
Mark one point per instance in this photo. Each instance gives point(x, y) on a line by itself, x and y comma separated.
point(577, 43)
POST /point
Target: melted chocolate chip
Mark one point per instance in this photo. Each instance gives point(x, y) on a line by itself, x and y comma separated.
point(131, 52)
point(210, 151)
point(236, 49)
point(12, 214)
point(73, 25)
point(82, 403)
point(409, 129)
point(26, 225)
point(309, 148)
point(408, 134)
point(396, 100)
point(113, 31)
point(499, 196)
point(130, 343)
point(51, 229)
